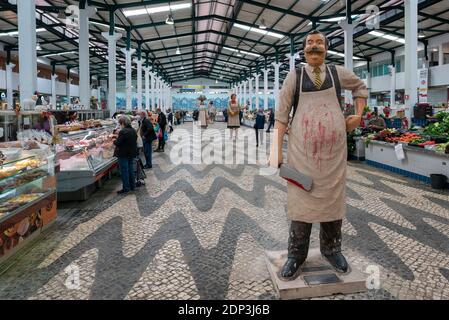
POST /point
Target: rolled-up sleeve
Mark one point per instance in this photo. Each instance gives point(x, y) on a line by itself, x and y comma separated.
point(286, 98)
point(349, 81)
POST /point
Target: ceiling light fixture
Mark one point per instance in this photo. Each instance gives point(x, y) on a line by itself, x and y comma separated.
point(386, 36)
point(152, 10)
point(178, 51)
point(58, 54)
point(239, 52)
point(169, 20)
point(341, 54)
point(38, 47)
point(106, 25)
point(258, 30)
point(262, 25)
point(16, 33)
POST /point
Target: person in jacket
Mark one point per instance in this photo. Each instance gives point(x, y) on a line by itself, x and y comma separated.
point(162, 121)
point(170, 121)
point(259, 125)
point(126, 151)
point(225, 114)
point(270, 120)
point(148, 136)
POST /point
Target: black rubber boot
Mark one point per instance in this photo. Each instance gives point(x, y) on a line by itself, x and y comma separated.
point(298, 248)
point(330, 245)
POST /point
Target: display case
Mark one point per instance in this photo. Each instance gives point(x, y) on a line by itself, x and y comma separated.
point(11, 123)
point(27, 197)
point(84, 157)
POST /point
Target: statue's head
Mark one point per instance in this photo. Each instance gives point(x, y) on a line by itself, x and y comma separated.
point(315, 48)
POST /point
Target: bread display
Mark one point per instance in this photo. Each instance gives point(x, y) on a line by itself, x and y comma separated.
point(21, 180)
point(19, 166)
point(16, 202)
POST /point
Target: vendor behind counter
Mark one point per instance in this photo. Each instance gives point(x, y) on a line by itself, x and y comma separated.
point(377, 123)
point(63, 116)
point(46, 121)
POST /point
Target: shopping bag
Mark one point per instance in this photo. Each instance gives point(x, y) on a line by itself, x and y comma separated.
point(165, 136)
point(139, 141)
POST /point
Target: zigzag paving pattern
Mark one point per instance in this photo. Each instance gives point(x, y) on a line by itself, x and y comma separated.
point(200, 231)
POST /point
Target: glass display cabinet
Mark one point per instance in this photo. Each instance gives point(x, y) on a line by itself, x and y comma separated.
point(84, 157)
point(27, 197)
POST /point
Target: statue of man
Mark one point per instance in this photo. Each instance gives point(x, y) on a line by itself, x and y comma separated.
point(317, 148)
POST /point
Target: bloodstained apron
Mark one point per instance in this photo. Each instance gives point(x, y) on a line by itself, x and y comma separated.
point(317, 148)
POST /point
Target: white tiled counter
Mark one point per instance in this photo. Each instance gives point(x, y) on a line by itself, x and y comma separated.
point(419, 163)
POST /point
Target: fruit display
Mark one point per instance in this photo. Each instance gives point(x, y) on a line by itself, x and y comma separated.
point(405, 137)
point(395, 136)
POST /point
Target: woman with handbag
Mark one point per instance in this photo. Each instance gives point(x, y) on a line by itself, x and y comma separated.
point(233, 115)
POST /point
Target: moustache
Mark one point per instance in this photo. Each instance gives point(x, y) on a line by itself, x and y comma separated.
point(315, 50)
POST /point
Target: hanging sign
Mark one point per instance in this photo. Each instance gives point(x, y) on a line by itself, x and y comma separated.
point(423, 85)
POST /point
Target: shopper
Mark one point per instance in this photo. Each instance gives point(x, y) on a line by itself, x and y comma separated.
point(148, 136)
point(162, 121)
point(225, 115)
point(170, 120)
point(178, 116)
point(126, 152)
point(195, 116)
point(233, 116)
point(212, 112)
point(259, 126)
point(270, 120)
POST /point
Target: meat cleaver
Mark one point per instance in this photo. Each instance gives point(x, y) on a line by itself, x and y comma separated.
point(294, 176)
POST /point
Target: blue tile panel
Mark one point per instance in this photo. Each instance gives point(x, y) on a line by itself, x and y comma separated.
point(399, 171)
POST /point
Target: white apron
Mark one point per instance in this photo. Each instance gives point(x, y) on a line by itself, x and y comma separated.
point(317, 148)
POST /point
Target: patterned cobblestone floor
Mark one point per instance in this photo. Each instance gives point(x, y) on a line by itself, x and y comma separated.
point(199, 232)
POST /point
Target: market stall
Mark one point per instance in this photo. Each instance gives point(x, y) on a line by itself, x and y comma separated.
point(419, 153)
point(86, 159)
point(27, 193)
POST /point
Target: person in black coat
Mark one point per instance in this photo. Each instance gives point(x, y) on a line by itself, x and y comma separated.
point(225, 115)
point(170, 120)
point(270, 120)
point(126, 152)
point(259, 126)
point(162, 120)
point(148, 136)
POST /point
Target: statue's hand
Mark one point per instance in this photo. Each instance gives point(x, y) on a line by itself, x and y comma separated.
point(352, 122)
